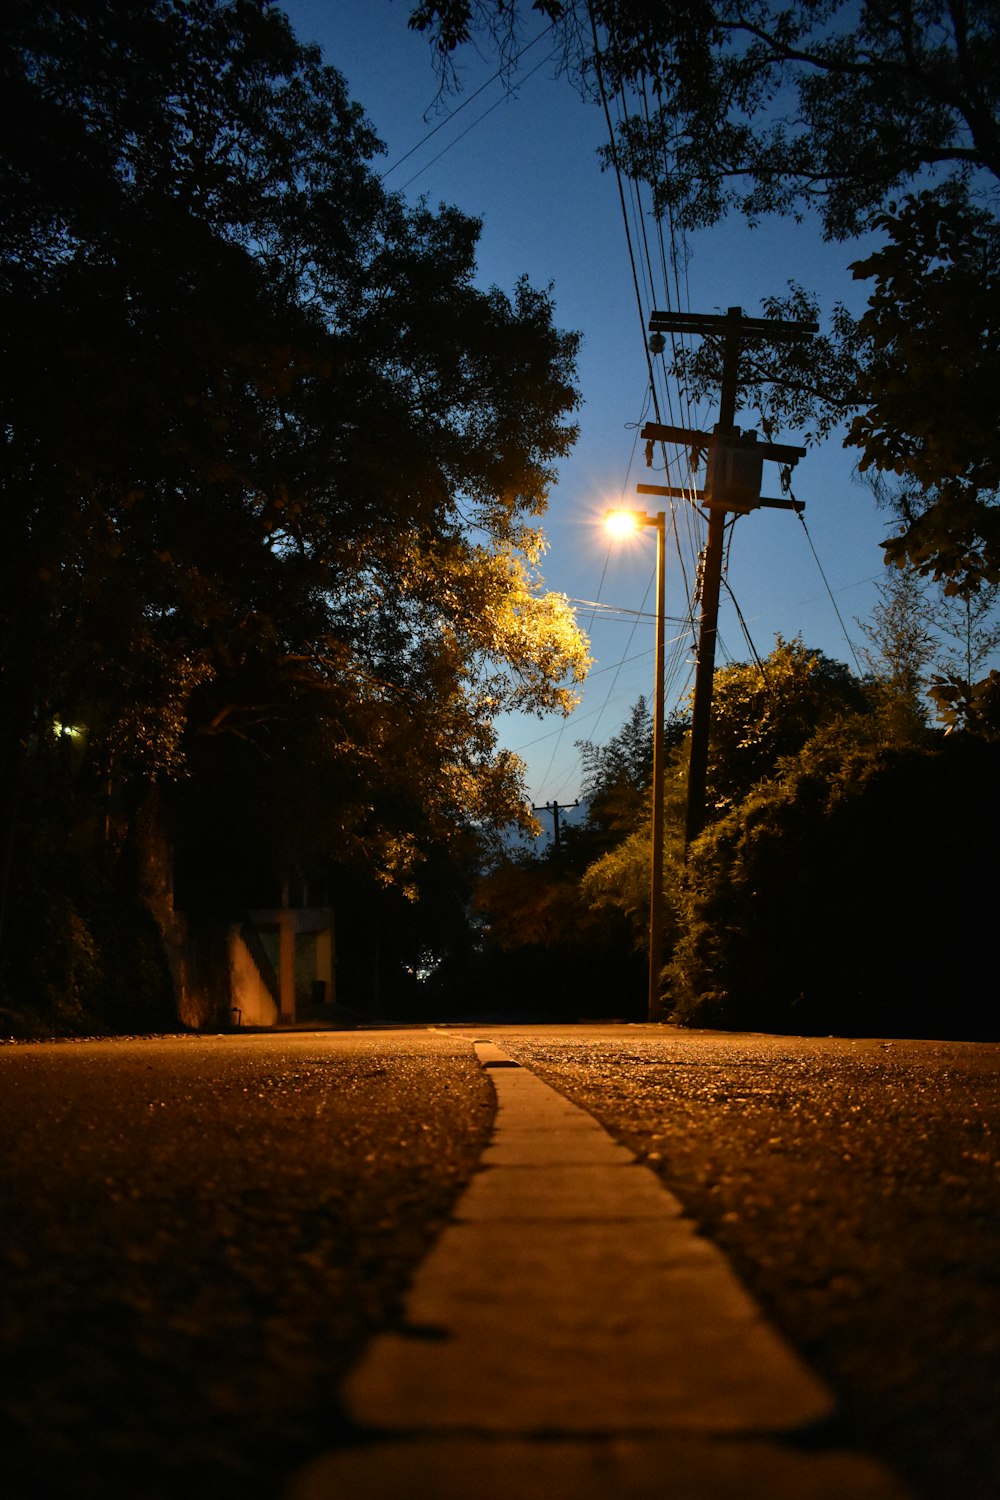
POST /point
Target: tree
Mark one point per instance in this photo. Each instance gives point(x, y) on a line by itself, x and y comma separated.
point(913, 378)
point(616, 775)
point(764, 713)
point(969, 630)
point(272, 465)
point(875, 117)
point(901, 647)
point(767, 711)
point(844, 896)
point(626, 758)
point(925, 391)
point(809, 106)
point(928, 645)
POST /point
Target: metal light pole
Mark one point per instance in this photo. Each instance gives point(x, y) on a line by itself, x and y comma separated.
point(627, 523)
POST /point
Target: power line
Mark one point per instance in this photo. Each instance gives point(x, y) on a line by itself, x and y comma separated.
point(619, 609)
point(686, 479)
point(829, 590)
point(453, 114)
point(684, 476)
point(599, 72)
point(743, 626)
point(504, 99)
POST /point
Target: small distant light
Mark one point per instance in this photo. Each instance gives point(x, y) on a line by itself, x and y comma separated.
point(66, 731)
point(622, 523)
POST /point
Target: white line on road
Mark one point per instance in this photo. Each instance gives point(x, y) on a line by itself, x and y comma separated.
point(571, 1335)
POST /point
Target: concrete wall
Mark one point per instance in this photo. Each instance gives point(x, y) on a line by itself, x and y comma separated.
point(300, 949)
point(253, 1003)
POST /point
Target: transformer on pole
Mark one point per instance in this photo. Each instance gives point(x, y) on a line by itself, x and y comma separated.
point(733, 478)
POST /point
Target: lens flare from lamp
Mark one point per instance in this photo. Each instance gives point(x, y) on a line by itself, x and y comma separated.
point(622, 523)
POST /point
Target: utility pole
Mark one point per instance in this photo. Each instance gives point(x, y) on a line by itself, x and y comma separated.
point(555, 810)
point(732, 486)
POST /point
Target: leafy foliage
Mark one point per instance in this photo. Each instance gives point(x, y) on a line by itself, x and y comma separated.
point(841, 898)
point(926, 389)
point(874, 117)
point(764, 713)
point(776, 108)
point(586, 902)
point(272, 464)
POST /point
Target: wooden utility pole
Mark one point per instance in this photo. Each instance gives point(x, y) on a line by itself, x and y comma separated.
point(555, 809)
point(732, 486)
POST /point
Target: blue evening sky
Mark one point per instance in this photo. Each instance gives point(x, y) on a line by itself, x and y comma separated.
point(527, 166)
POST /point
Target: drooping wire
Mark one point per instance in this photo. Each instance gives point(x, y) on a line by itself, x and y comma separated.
point(616, 163)
point(787, 486)
point(468, 129)
point(746, 633)
point(470, 99)
point(686, 479)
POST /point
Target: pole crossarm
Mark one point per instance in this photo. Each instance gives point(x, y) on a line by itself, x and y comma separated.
point(660, 432)
point(678, 494)
point(555, 808)
point(769, 328)
point(670, 489)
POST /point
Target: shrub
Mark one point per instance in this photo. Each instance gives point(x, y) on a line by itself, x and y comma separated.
point(848, 897)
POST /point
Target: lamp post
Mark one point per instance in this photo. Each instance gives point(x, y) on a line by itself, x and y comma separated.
point(623, 523)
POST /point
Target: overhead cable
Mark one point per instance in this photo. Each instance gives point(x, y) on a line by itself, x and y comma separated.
point(452, 114)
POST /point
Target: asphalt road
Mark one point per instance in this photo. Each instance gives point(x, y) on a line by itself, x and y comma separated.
point(199, 1234)
point(855, 1186)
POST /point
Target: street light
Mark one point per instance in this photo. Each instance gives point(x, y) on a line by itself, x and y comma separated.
point(623, 523)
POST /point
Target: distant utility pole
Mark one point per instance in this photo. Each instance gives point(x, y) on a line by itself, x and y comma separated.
point(555, 810)
point(732, 486)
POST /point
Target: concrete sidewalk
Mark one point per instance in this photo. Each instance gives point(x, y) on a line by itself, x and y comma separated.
point(571, 1337)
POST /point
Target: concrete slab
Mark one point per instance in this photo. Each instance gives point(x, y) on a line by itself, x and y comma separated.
point(615, 1469)
point(571, 1334)
point(640, 1329)
point(551, 1145)
point(585, 1193)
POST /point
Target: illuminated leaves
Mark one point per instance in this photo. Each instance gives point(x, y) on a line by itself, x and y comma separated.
point(273, 461)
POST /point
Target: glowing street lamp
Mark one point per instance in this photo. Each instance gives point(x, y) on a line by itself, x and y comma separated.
point(624, 523)
point(621, 524)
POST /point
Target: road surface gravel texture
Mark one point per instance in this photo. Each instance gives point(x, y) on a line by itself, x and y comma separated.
point(201, 1234)
point(855, 1187)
